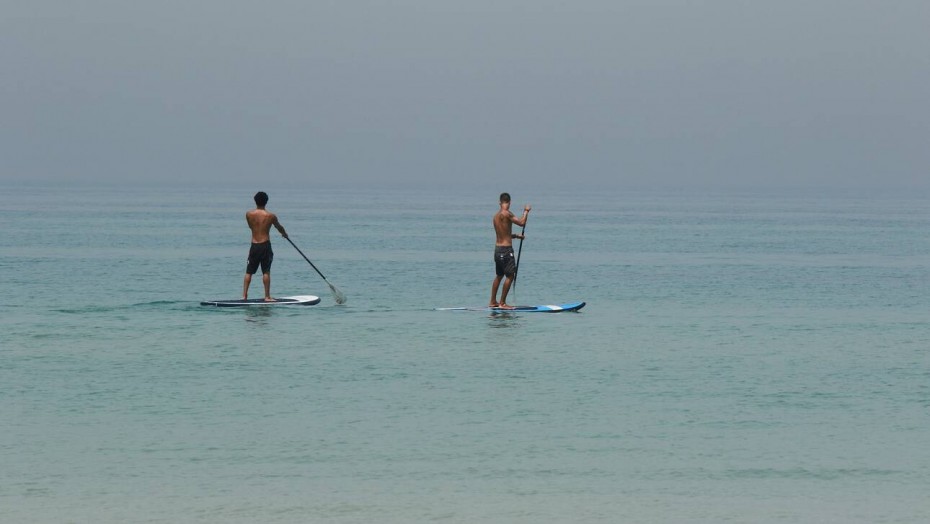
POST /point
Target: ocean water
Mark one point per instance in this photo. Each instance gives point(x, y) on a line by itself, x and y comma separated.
point(742, 358)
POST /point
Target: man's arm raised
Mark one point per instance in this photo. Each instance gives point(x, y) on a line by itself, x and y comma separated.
point(522, 220)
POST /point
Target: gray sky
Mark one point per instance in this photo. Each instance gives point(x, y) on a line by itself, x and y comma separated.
point(574, 93)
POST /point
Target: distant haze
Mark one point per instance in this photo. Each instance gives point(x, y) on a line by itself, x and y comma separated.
point(498, 93)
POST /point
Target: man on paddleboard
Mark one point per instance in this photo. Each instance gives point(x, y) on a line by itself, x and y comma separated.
point(504, 262)
point(260, 221)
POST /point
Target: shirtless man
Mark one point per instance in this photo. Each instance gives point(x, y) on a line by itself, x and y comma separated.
point(504, 262)
point(260, 222)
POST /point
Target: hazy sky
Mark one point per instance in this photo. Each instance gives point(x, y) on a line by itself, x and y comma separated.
point(503, 93)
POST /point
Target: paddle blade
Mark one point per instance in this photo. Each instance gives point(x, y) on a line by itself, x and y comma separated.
point(338, 296)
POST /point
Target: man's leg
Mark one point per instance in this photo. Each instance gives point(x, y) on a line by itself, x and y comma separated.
point(507, 282)
point(494, 287)
point(245, 286)
point(266, 280)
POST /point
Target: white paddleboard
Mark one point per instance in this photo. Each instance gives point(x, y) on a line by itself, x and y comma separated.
point(297, 300)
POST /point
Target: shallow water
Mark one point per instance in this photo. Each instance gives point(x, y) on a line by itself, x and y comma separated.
point(745, 357)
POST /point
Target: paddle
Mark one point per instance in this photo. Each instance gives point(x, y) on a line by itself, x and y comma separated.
point(337, 295)
point(519, 251)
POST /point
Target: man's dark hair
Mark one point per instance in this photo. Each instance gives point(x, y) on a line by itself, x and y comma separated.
point(505, 197)
point(261, 198)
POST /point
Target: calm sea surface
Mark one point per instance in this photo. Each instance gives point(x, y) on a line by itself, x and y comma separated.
point(742, 358)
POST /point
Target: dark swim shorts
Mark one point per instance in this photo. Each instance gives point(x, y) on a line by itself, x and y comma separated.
point(504, 262)
point(259, 254)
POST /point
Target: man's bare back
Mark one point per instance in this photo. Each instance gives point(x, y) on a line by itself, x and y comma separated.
point(503, 224)
point(260, 222)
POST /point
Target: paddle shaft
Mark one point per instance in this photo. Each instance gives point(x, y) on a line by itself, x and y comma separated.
point(307, 259)
point(339, 296)
point(519, 252)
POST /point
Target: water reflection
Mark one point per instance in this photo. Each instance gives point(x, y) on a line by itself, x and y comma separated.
point(258, 314)
point(503, 319)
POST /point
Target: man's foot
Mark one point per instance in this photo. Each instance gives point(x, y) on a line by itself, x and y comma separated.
point(493, 304)
point(505, 306)
point(269, 299)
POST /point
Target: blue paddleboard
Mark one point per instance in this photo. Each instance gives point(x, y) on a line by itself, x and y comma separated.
point(544, 308)
point(299, 300)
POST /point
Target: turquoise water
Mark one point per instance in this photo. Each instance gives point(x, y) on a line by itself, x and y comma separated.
point(743, 358)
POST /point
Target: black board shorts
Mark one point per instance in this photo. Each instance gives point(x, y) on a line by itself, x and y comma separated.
point(259, 254)
point(504, 263)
